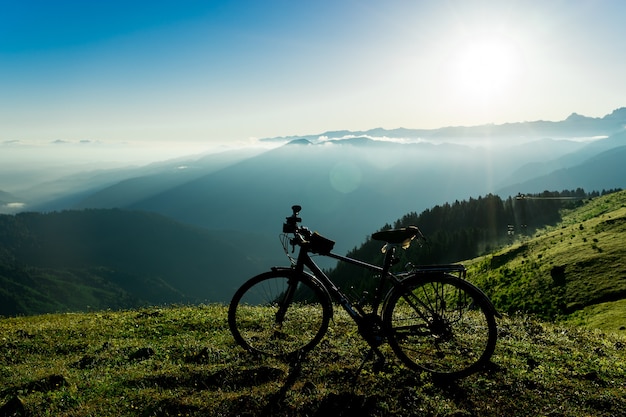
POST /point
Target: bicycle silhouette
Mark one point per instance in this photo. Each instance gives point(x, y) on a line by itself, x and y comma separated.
point(431, 317)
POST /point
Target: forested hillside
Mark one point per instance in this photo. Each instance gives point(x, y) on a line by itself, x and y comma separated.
point(466, 229)
point(561, 255)
point(99, 259)
point(574, 271)
point(110, 258)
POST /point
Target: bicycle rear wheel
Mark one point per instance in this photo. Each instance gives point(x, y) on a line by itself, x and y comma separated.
point(279, 313)
point(440, 324)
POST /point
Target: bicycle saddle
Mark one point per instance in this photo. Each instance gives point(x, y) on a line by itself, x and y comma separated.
point(395, 236)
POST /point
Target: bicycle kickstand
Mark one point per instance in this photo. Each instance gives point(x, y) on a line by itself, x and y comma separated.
point(379, 362)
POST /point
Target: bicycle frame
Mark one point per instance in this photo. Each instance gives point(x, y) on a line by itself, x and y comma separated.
point(304, 259)
point(355, 311)
point(419, 310)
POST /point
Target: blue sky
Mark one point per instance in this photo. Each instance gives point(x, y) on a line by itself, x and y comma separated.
point(216, 71)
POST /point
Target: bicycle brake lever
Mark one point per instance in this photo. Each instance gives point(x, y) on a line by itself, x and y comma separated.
point(293, 244)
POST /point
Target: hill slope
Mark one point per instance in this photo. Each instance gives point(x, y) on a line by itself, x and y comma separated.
point(366, 181)
point(602, 171)
point(183, 361)
point(566, 269)
point(98, 259)
point(347, 188)
point(574, 269)
point(463, 230)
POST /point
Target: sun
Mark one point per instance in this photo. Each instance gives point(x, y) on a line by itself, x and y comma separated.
point(485, 69)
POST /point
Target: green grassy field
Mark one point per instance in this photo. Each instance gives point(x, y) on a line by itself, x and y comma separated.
point(574, 271)
point(182, 361)
point(561, 348)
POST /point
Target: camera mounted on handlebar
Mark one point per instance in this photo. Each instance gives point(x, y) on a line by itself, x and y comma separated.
point(291, 225)
point(314, 242)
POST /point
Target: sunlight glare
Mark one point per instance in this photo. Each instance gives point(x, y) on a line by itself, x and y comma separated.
point(485, 69)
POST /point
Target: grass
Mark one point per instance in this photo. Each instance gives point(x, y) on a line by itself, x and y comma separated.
point(182, 361)
point(611, 314)
point(572, 271)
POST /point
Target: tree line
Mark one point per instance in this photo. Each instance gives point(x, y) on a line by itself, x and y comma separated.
point(464, 230)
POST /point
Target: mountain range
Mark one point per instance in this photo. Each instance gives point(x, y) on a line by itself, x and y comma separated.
point(373, 181)
point(574, 126)
point(349, 183)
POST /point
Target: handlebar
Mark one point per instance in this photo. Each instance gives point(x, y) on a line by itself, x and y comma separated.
point(317, 243)
point(314, 242)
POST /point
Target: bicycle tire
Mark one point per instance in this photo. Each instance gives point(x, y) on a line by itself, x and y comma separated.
point(259, 325)
point(441, 324)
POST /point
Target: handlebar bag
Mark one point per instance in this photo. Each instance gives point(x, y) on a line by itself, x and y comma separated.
point(320, 244)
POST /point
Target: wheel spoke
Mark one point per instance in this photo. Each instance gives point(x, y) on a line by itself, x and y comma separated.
point(440, 324)
point(276, 314)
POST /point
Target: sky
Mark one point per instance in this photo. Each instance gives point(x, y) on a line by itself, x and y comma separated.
point(215, 72)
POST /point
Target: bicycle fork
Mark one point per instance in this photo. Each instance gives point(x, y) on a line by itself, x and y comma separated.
point(286, 301)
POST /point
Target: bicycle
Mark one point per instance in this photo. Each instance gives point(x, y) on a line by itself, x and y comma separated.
point(433, 319)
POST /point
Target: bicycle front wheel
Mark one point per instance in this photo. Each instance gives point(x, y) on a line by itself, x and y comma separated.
point(440, 324)
point(279, 313)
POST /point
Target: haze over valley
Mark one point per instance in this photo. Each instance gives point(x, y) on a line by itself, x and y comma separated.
point(370, 177)
point(193, 228)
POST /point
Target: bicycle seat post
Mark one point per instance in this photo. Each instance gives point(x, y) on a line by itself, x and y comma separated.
point(389, 258)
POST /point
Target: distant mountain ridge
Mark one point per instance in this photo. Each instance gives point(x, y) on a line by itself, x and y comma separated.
point(122, 187)
point(6, 198)
point(360, 178)
point(606, 170)
point(574, 126)
point(369, 182)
